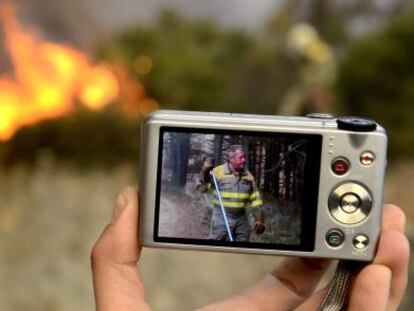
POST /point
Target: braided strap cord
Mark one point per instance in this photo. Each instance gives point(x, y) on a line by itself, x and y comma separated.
point(338, 294)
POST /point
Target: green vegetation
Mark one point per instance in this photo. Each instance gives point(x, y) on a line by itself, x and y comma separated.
point(376, 79)
point(196, 65)
point(85, 139)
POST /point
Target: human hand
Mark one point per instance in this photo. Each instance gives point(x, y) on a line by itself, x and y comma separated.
point(380, 285)
point(207, 165)
point(259, 227)
point(116, 277)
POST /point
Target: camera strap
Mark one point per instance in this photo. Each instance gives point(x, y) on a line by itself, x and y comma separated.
point(338, 294)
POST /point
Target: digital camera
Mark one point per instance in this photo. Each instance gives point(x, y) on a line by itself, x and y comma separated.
point(293, 186)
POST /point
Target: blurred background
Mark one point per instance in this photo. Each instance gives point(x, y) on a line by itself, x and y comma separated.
point(77, 78)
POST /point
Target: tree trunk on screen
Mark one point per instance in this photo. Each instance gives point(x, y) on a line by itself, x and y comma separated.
point(179, 144)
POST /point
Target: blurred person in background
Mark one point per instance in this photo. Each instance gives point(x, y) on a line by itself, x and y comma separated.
point(378, 286)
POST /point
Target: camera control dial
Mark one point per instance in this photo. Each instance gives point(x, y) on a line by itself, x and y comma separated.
point(356, 124)
point(350, 203)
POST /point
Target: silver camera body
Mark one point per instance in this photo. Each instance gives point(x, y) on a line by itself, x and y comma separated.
point(339, 167)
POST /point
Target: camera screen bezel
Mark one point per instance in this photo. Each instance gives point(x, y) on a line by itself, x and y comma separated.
point(310, 195)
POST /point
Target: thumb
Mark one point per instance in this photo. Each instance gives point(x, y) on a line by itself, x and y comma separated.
point(116, 278)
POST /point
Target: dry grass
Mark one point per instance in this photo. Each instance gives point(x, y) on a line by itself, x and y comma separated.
point(50, 218)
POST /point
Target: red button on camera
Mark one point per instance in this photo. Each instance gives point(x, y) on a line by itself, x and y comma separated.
point(340, 166)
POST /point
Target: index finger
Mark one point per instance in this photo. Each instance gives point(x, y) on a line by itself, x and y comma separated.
point(393, 218)
point(394, 251)
point(388, 272)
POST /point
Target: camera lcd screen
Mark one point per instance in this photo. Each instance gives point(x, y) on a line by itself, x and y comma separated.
point(237, 188)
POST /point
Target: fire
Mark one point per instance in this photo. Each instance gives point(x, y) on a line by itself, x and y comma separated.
point(48, 78)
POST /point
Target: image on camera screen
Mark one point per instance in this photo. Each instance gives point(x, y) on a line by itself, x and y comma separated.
point(236, 188)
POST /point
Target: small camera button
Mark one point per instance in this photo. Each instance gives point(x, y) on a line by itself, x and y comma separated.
point(340, 166)
point(367, 158)
point(360, 242)
point(335, 238)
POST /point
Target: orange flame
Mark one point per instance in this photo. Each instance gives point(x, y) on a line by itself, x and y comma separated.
point(48, 78)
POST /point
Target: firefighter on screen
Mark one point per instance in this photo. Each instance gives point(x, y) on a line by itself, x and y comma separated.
point(233, 188)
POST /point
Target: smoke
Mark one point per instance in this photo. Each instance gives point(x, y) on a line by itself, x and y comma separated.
point(84, 23)
point(65, 21)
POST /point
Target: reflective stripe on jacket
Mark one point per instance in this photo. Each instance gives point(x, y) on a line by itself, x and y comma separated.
point(236, 190)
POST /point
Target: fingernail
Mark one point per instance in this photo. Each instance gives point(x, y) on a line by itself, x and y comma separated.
point(118, 208)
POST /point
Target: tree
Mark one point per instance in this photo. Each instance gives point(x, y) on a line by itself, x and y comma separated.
point(376, 80)
point(175, 158)
point(195, 65)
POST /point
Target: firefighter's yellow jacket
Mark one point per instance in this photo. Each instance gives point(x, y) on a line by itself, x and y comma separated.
point(236, 190)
